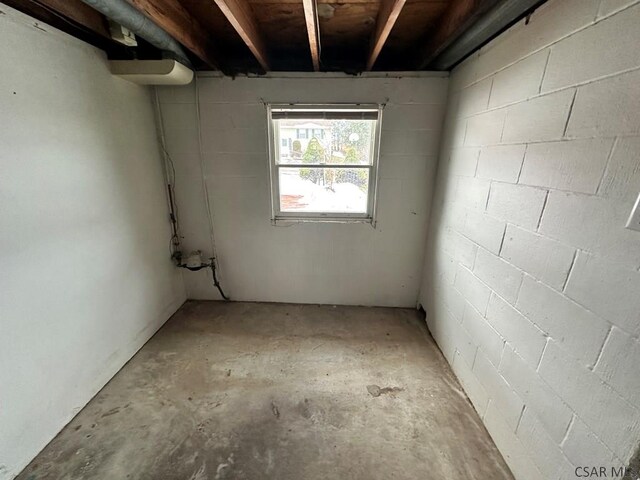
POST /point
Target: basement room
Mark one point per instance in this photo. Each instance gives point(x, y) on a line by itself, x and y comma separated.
point(319, 239)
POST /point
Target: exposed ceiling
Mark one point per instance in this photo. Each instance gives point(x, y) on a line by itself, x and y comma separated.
point(241, 36)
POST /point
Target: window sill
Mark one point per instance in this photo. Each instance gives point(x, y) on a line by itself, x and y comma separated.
point(288, 221)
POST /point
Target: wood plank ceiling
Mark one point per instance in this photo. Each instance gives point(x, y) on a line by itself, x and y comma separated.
point(241, 36)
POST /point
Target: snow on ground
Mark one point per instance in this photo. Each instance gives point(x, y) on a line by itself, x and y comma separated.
point(305, 196)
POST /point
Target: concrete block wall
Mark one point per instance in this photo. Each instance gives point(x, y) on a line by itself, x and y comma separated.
point(532, 283)
point(344, 263)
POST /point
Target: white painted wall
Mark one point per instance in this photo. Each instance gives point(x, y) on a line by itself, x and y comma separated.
point(85, 277)
point(304, 263)
point(531, 280)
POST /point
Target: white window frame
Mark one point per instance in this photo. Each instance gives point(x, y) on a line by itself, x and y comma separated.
point(277, 215)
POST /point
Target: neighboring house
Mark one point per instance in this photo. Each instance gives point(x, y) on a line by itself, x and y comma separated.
point(303, 132)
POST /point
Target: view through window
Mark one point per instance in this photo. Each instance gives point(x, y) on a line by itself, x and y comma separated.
point(324, 160)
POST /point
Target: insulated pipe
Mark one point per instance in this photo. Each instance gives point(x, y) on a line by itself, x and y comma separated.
point(122, 12)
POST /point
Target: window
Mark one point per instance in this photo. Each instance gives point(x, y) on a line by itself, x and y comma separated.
point(329, 173)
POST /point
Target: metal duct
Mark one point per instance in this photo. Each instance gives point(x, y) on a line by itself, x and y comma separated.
point(496, 20)
point(120, 11)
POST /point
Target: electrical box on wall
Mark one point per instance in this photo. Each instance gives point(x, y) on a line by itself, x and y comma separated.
point(122, 34)
point(634, 219)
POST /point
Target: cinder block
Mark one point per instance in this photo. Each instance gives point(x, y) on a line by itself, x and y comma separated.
point(545, 452)
point(446, 192)
point(412, 117)
point(549, 23)
point(454, 128)
point(611, 418)
point(587, 54)
point(523, 336)
point(463, 161)
point(407, 167)
point(180, 125)
point(238, 165)
point(177, 94)
point(452, 300)
point(473, 192)
point(475, 98)
point(501, 162)
point(516, 204)
point(444, 269)
point(225, 116)
point(392, 142)
point(507, 401)
point(485, 128)
point(608, 7)
point(425, 90)
point(413, 90)
point(465, 346)
point(591, 223)
point(485, 230)
point(502, 277)
point(621, 180)
point(576, 165)
point(421, 142)
point(537, 395)
point(472, 289)
point(519, 81)
point(618, 365)
point(576, 330)
point(606, 289)
point(227, 90)
point(541, 257)
point(464, 74)
point(515, 454)
point(236, 140)
point(476, 392)
point(460, 248)
point(607, 108)
point(438, 322)
point(452, 216)
point(539, 119)
point(483, 334)
point(582, 446)
point(409, 142)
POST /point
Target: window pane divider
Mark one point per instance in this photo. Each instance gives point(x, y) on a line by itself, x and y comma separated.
point(322, 165)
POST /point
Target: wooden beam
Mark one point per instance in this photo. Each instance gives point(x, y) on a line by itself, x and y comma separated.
point(172, 17)
point(458, 16)
point(80, 13)
point(67, 15)
point(313, 31)
point(387, 16)
point(241, 17)
point(75, 18)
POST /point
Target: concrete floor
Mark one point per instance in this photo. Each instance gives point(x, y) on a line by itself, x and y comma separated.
point(273, 391)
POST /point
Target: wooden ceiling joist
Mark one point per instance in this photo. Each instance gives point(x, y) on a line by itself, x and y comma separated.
point(313, 31)
point(389, 12)
point(240, 15)
point(71, 16)
point(460, 14)
point(172, 17)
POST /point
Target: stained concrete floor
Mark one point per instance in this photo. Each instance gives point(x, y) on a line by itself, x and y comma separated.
point(273, 391)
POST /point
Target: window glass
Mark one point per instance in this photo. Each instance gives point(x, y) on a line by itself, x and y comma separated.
point(326, 162)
